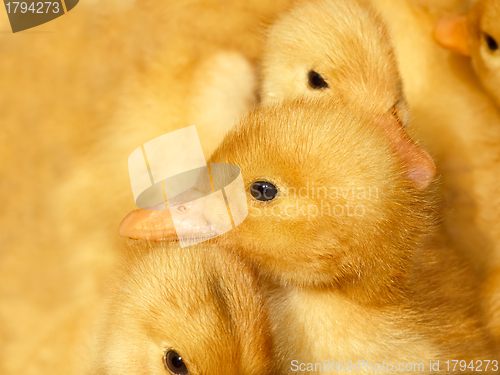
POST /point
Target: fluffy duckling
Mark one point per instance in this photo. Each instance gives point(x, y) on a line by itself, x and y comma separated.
point(289, 157)
point(184, 311)
point(477, 35)
point(460, 124)
point(342, 219)
point(324, 48)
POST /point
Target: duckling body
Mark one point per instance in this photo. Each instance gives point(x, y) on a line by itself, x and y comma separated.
point(460, 125)
point(184, 311)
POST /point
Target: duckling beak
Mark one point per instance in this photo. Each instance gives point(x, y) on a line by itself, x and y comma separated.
point(192, 218)
point(451, 33)
point(149, 225)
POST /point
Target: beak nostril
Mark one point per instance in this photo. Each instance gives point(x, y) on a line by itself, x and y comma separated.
point(182, 208)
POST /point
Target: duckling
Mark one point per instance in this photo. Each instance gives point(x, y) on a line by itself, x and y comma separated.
point(343, 223)
point(324, 48)
point(178, 311)
point(460, 125)
point(477, 35)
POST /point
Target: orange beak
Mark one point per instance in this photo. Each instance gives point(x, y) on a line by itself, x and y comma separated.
point(451, 33)
point(196, 218)
point(148, 225)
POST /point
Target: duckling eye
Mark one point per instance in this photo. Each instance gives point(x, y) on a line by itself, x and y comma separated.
point(316, 81)
point(174, 363)
point(263, 191)
point(491, 42)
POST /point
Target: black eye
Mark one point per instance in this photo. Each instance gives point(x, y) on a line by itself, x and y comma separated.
point(316, 81)
point(491, 42)
point(263, 191)
point(174, 363)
